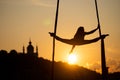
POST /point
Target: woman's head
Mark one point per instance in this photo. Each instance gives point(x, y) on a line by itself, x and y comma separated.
point(81, 29)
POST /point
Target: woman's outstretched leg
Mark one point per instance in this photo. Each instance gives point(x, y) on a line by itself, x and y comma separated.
point(72, 49)
point(95, 40)
point(67, 41)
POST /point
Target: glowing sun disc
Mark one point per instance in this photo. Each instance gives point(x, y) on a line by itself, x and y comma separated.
point(72, 58)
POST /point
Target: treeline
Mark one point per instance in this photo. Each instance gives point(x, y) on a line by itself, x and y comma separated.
point(16, 66)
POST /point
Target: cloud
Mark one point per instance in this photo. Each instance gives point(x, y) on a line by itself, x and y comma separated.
point(16, 2)
point(95, 66)
point(44, 3)
point(118, 67)
point(113, 64)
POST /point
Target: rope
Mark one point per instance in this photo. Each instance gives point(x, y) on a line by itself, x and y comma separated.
point(55, 30)
point(103, 62)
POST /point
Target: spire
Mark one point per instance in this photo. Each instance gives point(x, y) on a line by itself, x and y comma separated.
point(37, 50)
point(30, 41)
point(23, 49)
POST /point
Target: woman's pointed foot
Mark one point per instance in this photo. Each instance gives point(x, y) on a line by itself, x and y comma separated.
point(104, 36)
point(52, 34)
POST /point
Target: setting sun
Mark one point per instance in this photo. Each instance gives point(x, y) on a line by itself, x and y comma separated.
point(72, 58)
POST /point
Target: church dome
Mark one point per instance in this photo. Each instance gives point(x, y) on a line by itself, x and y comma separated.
point(30, 48)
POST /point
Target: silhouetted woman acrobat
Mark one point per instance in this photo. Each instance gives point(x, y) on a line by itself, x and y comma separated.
point(79, 38)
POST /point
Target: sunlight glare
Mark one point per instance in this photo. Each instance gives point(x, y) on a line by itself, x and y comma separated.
point(72, 58)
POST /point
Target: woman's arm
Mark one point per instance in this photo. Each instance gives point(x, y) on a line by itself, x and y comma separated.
point(90, 32)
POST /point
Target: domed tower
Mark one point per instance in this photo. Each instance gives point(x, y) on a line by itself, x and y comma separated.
point(30, 48)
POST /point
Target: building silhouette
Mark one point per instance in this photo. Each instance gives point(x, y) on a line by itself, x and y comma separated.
point(30, 50)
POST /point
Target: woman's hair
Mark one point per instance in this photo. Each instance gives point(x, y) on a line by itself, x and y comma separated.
point(80, 29)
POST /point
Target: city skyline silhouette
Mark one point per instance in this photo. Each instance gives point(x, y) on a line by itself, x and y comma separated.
point(20, 66)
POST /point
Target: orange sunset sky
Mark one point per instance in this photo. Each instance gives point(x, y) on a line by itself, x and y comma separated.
point(21, 20)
